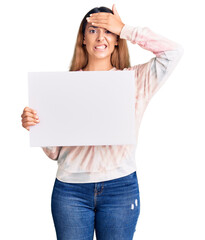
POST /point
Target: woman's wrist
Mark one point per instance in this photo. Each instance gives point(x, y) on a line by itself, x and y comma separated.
point(121, 28)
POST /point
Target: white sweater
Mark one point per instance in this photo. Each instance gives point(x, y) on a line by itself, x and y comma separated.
point(85, 164)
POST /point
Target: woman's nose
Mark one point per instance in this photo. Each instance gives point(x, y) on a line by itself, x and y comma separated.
point(100, 36)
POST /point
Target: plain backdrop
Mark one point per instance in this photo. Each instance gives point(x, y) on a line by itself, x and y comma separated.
point(40, 36)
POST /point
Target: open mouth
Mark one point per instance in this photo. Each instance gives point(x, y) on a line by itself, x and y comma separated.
point(101, 47)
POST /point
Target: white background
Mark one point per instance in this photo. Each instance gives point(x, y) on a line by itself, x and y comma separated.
point(40, 36)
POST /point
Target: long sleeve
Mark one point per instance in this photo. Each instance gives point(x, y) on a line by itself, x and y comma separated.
point(151, 75)
point(52, 152)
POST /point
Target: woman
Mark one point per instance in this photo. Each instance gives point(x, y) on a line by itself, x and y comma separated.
point(96, 187)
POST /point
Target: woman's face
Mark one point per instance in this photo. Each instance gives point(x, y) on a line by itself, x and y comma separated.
point(100, 43)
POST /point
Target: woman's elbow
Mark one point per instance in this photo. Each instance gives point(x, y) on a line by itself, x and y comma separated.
point(52, 152)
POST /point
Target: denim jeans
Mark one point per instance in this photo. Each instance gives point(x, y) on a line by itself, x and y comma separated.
point(110, 208)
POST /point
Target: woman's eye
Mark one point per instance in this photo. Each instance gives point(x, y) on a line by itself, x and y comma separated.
point(93, 31)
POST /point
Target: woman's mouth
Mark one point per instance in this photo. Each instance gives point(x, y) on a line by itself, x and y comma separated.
point(101, 47)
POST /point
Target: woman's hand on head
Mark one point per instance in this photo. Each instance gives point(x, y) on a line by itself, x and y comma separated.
point(29, 118)
point(109, 21)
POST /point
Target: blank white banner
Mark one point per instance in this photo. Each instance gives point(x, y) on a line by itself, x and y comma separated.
point(82, 108)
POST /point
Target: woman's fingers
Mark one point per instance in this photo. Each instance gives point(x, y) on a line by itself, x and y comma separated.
point(108, 21)
point(28, 124)
point(29, 112)
point(27, 109)
point(115, 11)
point(29, 117)
point(29, 121)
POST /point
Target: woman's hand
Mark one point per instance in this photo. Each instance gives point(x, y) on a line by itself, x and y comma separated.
point(29, 118)
point(108, 21)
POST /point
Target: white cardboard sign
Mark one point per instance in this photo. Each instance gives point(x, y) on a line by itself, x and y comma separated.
point(82, 108)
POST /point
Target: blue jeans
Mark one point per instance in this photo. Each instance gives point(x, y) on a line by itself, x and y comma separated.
point(111, 208)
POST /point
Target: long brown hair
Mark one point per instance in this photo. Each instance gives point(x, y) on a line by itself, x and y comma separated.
point(119, 58)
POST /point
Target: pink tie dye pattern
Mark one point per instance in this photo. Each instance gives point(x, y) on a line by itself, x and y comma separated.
point(83, 164)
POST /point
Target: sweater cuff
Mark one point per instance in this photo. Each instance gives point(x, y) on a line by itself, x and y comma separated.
point(127, 32)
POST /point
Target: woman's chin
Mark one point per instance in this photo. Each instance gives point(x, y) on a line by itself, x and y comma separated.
point(102, 55)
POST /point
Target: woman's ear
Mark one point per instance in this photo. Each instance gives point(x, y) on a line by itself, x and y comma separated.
point(116, 44)
point(84, 40)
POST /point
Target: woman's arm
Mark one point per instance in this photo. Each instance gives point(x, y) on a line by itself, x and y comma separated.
point(151, 75)
point(52, 152)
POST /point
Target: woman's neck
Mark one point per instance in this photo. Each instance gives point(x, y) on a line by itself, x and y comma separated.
point(98, 66)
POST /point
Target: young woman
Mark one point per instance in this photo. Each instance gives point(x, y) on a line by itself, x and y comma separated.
point(96, 187)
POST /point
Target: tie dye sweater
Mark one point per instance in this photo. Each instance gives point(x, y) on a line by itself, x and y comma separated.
point(84, 164)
